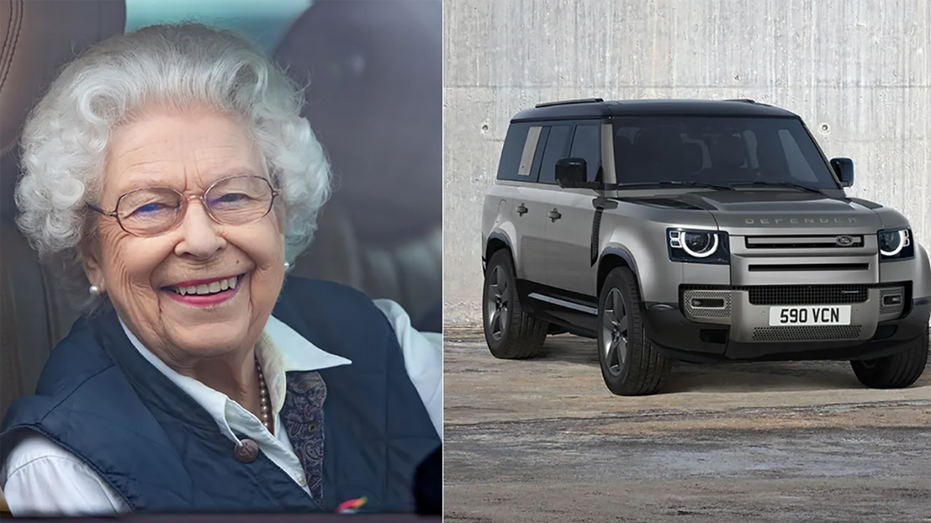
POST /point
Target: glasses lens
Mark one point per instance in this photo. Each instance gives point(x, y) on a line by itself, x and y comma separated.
point(239, 200)
point(149, 211)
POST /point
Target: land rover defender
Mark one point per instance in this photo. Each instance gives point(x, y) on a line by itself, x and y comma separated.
point(700, 231)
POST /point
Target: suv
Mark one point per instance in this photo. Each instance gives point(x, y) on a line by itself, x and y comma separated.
point(700, 231)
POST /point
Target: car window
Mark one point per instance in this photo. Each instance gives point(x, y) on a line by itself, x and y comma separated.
point(795, 159)
point(557, 144)
point(586, 143)
point(265, 21)
point(515, 142)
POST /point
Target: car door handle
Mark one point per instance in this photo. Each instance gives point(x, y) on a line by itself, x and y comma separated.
point(521, 210)
point(554, 215)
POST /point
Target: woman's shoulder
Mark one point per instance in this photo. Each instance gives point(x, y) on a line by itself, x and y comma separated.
point(77, 359)
point(336, 318)
point(321, 301)
point(42, 478)
point(35, 450)
point(322, 291)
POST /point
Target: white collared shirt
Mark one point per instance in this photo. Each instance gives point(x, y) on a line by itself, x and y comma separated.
point(41, 478)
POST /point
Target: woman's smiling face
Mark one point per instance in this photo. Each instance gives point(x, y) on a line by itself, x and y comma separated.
point(149, 279)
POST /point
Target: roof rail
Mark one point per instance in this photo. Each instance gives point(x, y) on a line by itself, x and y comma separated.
point(569, 102)
point(744, 100)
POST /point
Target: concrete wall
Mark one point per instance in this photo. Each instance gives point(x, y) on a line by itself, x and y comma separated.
point(857, 71)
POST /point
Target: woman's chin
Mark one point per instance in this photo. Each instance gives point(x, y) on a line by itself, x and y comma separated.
point(208, 343)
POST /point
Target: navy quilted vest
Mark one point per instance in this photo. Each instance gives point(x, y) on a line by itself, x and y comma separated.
point(358, 430)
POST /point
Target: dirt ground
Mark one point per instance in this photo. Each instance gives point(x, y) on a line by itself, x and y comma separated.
point(543, 440)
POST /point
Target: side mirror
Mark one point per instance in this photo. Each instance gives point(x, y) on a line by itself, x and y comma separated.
point(843, 168)
point(570, 173)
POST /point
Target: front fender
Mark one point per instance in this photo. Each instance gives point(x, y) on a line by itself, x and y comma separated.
point(921, 286)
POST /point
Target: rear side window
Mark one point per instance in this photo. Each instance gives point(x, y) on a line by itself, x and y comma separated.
point(586, 143)
point(557, 147)
point(513, 150)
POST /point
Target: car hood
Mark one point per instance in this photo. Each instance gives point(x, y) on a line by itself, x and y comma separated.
point(767, 211)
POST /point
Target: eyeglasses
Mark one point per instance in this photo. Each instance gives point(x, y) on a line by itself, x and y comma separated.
point(150, 211)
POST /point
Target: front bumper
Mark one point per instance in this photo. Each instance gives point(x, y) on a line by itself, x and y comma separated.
point(740, 330)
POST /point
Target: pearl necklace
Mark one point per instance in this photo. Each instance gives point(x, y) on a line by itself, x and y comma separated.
point(263, 397)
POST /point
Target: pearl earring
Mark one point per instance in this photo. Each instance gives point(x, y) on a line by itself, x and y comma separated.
point(94, 290)
point(287, 265)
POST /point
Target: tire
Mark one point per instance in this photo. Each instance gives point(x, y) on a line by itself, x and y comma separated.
point(630, 364)
point(897, 371)
point(511, 334)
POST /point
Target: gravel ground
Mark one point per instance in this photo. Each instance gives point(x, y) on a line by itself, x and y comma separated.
point(543, 440)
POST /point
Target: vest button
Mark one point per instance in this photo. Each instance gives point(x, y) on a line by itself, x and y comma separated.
point(247, 451)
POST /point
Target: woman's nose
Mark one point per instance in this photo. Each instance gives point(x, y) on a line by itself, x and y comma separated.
point(199, 235)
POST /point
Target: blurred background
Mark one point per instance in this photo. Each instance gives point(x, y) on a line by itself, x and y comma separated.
point(374, 70)
point(858, 73)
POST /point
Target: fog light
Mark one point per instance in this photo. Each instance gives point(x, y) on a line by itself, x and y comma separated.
point(708, 303)
point(892, 299)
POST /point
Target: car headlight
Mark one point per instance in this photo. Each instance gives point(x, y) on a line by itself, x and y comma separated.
point(895, 244)
point(697, 246)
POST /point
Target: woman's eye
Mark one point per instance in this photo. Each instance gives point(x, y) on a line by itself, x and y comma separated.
point(230, 198)
point(150, 208)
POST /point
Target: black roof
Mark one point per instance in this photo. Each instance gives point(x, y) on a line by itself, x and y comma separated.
point(597, 108)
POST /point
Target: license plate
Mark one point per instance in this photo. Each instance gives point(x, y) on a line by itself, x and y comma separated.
point(810, 315)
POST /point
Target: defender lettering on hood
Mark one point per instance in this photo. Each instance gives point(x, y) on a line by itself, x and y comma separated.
point(799, 221)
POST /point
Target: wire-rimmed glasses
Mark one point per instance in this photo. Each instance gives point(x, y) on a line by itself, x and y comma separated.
point(235, 200)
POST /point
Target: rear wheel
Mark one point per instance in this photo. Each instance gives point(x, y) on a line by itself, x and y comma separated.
point(509, 331)
point(897, 371)
point(630, 364)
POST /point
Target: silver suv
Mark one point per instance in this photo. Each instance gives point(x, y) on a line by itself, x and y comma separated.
point(699, 231)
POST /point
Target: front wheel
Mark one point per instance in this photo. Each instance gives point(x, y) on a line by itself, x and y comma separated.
point(630, 364)
point(897, 371)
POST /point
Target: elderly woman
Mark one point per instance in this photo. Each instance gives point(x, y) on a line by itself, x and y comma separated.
point(170, 176)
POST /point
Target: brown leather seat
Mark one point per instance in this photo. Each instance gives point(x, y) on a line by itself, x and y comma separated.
point(374, 74)
point(38, 38)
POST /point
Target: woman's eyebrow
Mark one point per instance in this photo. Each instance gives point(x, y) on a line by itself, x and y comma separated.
point(143, 178)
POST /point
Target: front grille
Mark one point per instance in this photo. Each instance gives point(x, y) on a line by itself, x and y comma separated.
point(807, 294)
point(804, 242)
point(807, 333)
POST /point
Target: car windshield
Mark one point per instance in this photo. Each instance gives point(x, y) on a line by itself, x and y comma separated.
point(724, 151)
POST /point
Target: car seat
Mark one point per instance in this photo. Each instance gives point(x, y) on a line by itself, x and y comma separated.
point(38, 38)
point(373, 69)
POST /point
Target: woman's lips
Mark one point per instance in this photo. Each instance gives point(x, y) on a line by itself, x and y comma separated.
point(186, 294)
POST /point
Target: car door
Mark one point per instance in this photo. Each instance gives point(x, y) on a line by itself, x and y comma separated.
point(526, 208)
point(569, 219)
point(535, 201)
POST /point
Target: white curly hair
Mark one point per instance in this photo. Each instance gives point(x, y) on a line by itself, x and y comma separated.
point(175, 66)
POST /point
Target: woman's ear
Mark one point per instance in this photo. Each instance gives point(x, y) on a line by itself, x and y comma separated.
point(93, 268)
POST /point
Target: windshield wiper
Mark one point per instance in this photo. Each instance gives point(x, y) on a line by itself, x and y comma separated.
point(675, 183)
point(777, 184)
